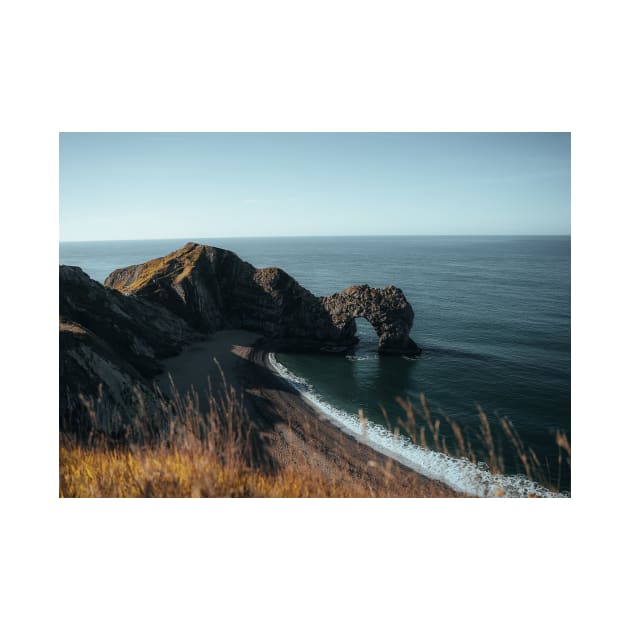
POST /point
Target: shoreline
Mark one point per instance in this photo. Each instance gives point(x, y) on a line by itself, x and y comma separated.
point(458, 474)
point(284, 420)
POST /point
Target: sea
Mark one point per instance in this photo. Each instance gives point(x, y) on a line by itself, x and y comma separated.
point(492, 315)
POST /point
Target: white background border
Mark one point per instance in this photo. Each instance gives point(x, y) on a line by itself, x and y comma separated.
point(325, 66)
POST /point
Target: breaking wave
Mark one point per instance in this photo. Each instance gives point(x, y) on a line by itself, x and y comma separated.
point(460, 474)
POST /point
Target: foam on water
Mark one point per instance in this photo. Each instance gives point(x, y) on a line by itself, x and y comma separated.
point(361, 357)
point(460, 474)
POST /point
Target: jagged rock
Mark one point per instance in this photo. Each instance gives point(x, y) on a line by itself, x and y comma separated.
point(213, 288)
point(386, 309)
point(110, 346)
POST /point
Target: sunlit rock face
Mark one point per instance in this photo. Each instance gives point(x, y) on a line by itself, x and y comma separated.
point(212, 288)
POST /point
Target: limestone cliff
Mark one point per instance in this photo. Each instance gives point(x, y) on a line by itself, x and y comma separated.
point(386, 309)
point(213, 288)
point(110, 347)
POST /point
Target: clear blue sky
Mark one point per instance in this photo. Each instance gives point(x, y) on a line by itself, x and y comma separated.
point(163, 185)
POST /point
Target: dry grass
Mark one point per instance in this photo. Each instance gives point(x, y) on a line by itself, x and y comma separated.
point(212, 454)
point(184, 261)
point(196, 455)
point(485, 445)
point(183, 472)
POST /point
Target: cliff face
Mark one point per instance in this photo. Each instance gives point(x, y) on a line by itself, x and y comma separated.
point(113, 337)
point(110, 346)
point(213, 288)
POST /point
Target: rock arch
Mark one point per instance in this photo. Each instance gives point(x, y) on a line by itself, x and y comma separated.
point(387, 310)
point(212, 288)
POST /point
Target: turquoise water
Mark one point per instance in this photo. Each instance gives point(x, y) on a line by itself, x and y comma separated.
point(491, 313)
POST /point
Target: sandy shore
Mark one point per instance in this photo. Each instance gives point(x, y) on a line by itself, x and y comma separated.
point(204, 365)
point(283, 421)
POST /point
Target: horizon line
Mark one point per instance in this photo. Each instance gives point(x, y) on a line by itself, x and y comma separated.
point(192, 239)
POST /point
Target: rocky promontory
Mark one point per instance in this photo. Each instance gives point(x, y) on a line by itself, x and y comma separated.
point(212, 288)
point(114, 337)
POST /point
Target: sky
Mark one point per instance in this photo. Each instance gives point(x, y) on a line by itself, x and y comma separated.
point(116, 186)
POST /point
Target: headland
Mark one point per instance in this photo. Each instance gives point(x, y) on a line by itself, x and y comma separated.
point(202, 318)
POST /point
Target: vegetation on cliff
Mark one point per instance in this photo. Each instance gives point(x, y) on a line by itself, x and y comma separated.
point(196, 454)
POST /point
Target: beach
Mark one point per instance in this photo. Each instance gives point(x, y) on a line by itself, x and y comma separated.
point(285, 426)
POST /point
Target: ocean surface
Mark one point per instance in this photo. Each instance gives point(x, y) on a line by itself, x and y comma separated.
point(492, 314)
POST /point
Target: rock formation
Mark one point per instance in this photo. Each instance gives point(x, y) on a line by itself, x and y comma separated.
point(109, 350)
point(386, 309)
point(113, 337)
point(213, 288)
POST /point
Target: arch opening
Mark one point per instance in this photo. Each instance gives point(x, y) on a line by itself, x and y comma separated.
point(367, 339)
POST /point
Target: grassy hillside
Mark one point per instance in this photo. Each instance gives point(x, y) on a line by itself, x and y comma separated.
point(211, 455)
